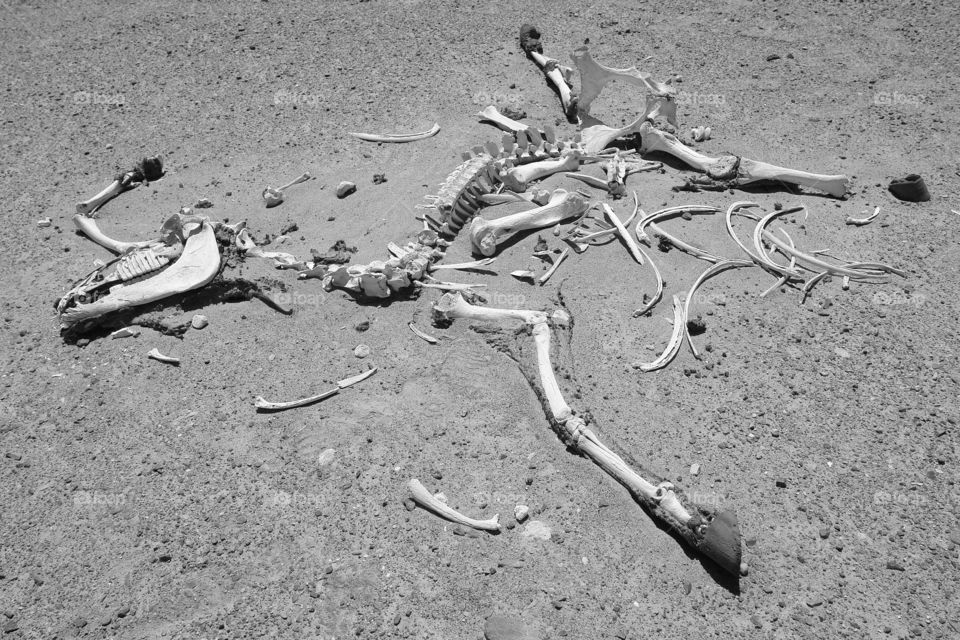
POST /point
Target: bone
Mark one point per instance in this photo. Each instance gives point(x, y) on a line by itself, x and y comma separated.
point(272, 197)
point(624, 234)
point(859, 222)
point(676, 339)
point(713, 270)
point(475, 264)
point(266, 405)
point(486, 235)
point(397, 137)
point(90, 229)
point(555, 73)
point(735, 170)
point(517, 178)
point(492, 114)
point(245, 243)
point(553, 269)
point(156, 355)
point(426, 500)
point(198, 264)
point(595, 76)
point(718, 539)
point(146, 170)
point(699, 134)
point(420, 334)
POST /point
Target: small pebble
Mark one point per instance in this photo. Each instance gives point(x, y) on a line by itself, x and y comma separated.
point(46, 222)
point(894, 565)
point(362, 326)
point(695, 469)
point(824, 532)
point(345, 188)
point(782, 484)
point(203, 203)
point(409, 504)
point(361, 351)
point(199, 321)
point(521, 512)
point(379, 178)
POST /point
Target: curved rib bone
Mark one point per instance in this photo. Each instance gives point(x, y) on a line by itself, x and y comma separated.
point(397, 137)
point(486, 235)
point(426, 500)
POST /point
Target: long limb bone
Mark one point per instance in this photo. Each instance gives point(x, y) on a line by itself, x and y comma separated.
point(426, 500)
point(716, 536)
point(734, 170)
point(90, 229)
point(146, 170)
point(486, 235)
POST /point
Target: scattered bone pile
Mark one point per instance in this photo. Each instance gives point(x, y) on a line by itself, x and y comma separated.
point(187, 255)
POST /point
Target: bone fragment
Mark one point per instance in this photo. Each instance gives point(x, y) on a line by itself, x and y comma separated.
point(486, 235)
point(420, 334)
point(555, 74)
point(699, 134)
point(126, 332)
point(556, 265)
point(156, 355)
point(397, 137)
point(265, 405)
point(475, 264)
point(862, 221)
point(709, 273)
point(426, 500)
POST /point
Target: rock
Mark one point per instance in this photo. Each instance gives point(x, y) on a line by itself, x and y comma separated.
point(824, 532)
point(772, 57)
point(46, 222)
point(895, 566)
point(361, 351)
point(409, 504)
point(782, 484)
point(362, 326)
point(78, 622)
point(379, 178)
point(506, 627)
point(203, 203)
point(326, 457)
point(122, 611)
point(521, 512)
point(345, 188)
point(199, 321)
point(695, 469)
point(536, 530)
point(13, 625)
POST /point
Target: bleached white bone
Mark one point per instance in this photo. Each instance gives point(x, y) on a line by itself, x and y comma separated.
point(595, 136)
point(427, 500)
point(737, 170)
point(272, 197)
point(266, 405)
point(452, 306)
point(595, 76)
point(624, 234)
point(197, 266)
point(486, 235)
point(397, 137)
point(156, 355)
point(493, 114)
point(517, 178)
point(555, 73)
point(89, 206)
point(90, 229)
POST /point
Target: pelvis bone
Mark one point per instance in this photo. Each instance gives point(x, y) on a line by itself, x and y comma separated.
point(595, 76)
point(187, 257)
point(486, 235)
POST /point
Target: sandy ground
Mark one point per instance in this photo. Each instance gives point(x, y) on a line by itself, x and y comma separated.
point(141, 500)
